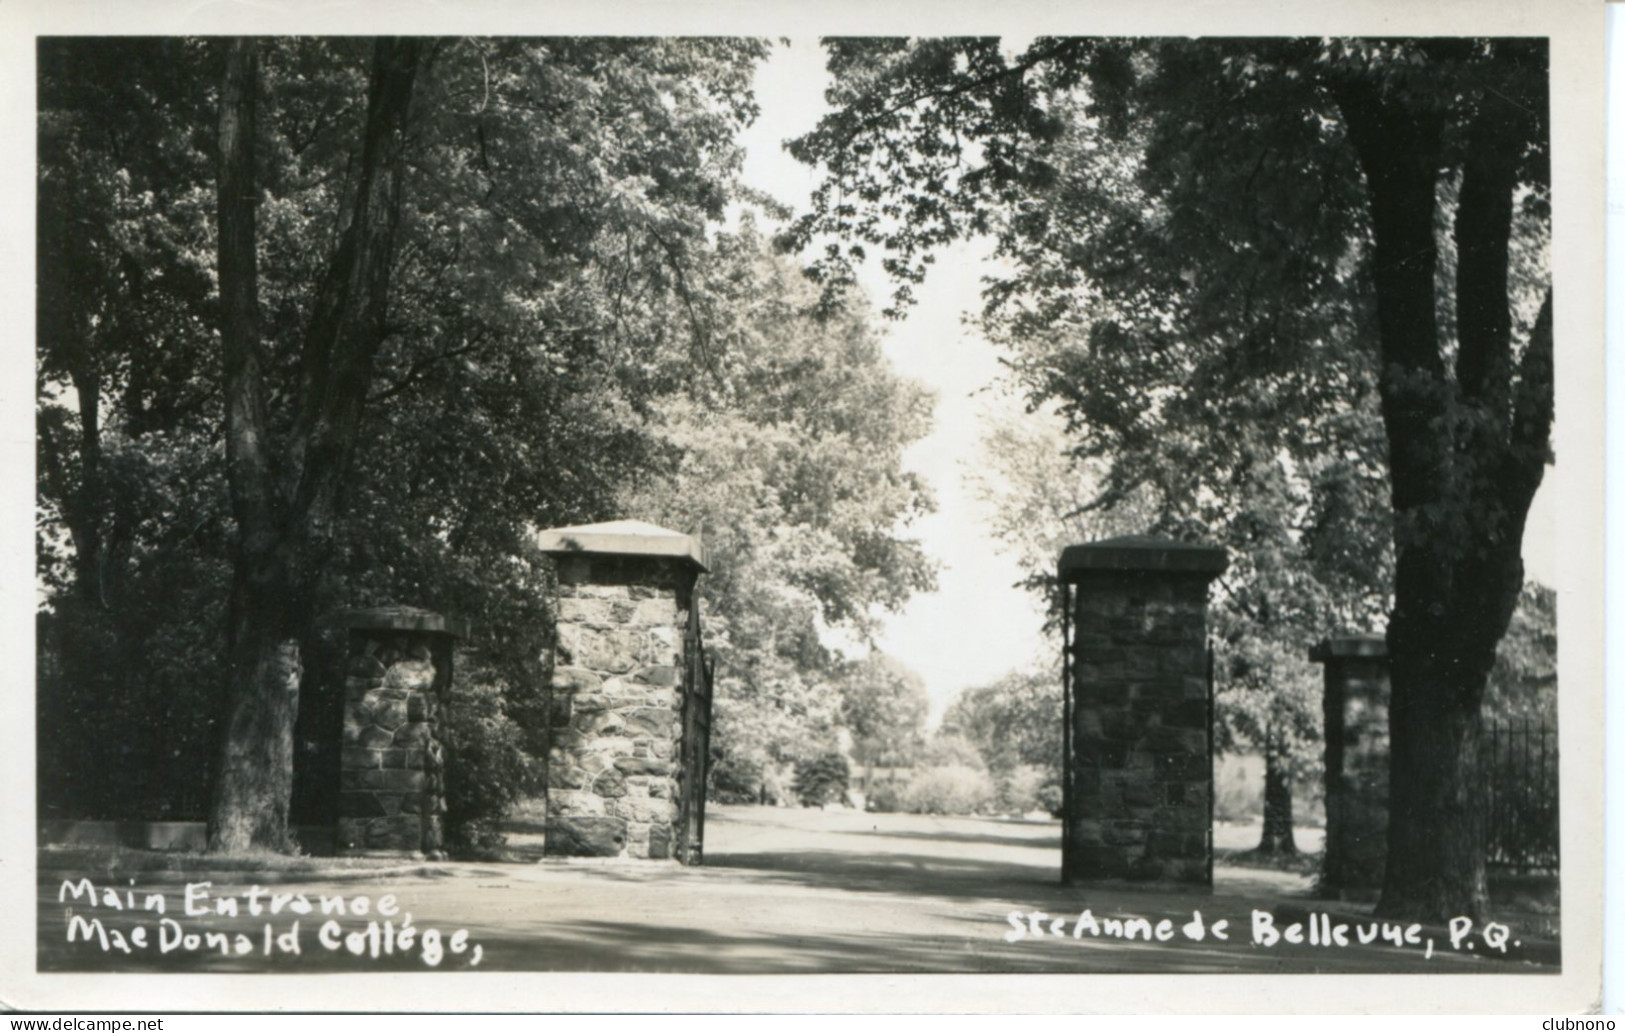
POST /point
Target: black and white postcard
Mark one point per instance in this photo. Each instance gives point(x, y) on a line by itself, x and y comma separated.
point(583, 503)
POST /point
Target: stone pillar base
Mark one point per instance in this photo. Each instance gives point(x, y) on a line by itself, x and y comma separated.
point(1141, 771)
point(1356, 735)
point(391, 789)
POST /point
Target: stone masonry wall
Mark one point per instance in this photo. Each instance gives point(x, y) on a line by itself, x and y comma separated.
point(1356, 714)
point(1142, 777)
point(391, 797)
point(616, 708)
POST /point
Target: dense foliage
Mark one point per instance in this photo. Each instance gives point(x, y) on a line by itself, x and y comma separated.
point(821, 779)
point(554, 328)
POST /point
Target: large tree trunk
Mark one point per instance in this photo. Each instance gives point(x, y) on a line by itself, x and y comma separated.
point(285, 510)
point(254, 784)
point(1277, 839)
point(1467, 449)
point(1435, 861)
point(254, 776)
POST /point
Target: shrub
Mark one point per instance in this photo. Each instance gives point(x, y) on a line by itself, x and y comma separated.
point(1238, 787)
point(777, 785)
point(949, 751)
point(1051, 798)
point(885, 797)
point(822, 779)
point(487, 768)
point(949, 789)
point(1018, 789)
point(735, 779)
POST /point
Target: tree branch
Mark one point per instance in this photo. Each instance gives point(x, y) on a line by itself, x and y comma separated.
point(247, 459)
point(415, 372)
point(1483, 232)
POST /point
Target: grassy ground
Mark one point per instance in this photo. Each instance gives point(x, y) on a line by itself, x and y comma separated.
point(782, 891)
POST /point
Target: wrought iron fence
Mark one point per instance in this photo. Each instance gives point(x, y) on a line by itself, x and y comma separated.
point(1517, 770)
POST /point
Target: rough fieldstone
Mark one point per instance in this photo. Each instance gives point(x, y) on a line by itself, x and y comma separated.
point(637, 840)
point(359, 805)
point(576, 801)
point(390, 714)
point(621, 622)
point(413, 733)
point(357, 757)
point(663, 675)
point(648, 809)
point(664, 645)
point(375, 738)
point(599, 723)
point(585, 611)
point(585, 836)
point(642, 766)
point(1140, 705)
point(575, 679)
point(1356, 694)
point(659, 611)
point(561, 775)
point(366, 668)
point(653, 720)
point(414, 675)
point(610, 785)
point(400, 781)
point(659, 842)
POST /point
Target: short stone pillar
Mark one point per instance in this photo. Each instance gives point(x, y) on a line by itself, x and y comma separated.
point(1142, 773)
point(1356, 734)
point(614, 769)
point(391, 793)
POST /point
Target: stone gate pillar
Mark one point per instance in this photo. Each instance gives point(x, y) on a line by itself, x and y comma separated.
point(397, 670)
point(1356, 734)
point(1142, 772)
point(614, 771)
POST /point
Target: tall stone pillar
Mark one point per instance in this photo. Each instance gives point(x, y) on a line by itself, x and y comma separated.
point(1140, 799)
point(1356, 734)
point(391, 794)
point(614, 768)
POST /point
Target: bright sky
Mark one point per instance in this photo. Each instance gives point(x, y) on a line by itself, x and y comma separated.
point(977, 626)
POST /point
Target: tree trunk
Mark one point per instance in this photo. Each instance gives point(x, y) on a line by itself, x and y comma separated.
point(254, 784)
point(254, 775)
point(285, 511)
point(1467, 450)
point(1435, 862)
point(1277, 839)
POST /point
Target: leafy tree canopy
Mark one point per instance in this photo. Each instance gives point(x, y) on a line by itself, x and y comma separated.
point(1234, 255)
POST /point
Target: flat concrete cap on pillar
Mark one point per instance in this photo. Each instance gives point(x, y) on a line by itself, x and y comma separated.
point(1346, 647)
point(399, 618)
point(1142, 553)
point(623, 538)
